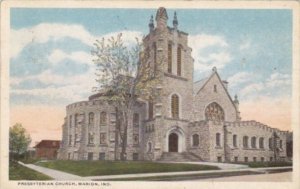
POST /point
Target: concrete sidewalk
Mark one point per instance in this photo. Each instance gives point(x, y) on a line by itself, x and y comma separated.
point(55, 174)
point(223, 166)
point(185, 173)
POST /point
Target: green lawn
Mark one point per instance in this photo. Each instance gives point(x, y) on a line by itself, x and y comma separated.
point(19, 172)
point(96, 168)
point(269, 164)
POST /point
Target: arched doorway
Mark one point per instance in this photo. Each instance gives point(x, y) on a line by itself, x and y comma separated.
point(173, 142)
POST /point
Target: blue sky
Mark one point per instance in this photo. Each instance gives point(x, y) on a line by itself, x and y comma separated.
point(51, 62)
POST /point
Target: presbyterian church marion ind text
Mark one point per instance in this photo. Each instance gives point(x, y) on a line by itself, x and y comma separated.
point(194, 121)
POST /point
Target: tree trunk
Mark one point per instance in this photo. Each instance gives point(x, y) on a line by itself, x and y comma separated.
point(124, 141)
point(117, 132)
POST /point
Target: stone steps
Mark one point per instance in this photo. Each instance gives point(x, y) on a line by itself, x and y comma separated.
point(181, 157)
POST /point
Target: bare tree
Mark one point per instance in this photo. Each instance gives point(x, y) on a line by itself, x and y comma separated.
point(126, 75)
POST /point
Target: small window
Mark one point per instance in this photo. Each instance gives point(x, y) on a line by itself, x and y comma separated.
point(70, 139)
point(149, 147)
point(218, 139)
point(245, 141)
point(69, 156)
point(234, 141)
point(90, 156)
point(135, 156)
point(103, 118)
point(76, 120)
point(169, 58)
point(150, 108)
point(155, 55)
point(195, 140)
point(135, 139)
point(91, 118)
point(136, 119)
point(91, 138)
point(254, 159)
point(101, 156)
point(215, 88)
point(261, 143)
point(271, 158)
point(175, 106)
point(253, 142)
point(280, 144)
point(271, 143)
point(179, 61)
point(102, 138)
point(236, 159)
point(219, 158)
point(246, 159)
point(262, 159)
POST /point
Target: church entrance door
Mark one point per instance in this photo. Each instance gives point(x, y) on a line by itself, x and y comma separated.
point(173, 142)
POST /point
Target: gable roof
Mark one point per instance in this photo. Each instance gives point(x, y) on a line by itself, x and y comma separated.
point(199, 85)
point(48, 144)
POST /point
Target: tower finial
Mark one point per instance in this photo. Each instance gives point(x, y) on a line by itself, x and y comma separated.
point(175, 21)
point(236, 98)
point(151, 24)
point(161, 18)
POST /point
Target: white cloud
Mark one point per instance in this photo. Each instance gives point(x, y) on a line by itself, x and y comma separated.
point(205, 61)
point(42, 33)
point(239, 78)
point(278, 79)
point(252, 88)
point(71, 87)
point(58, 55)
point(202, 41)
point(275, 81)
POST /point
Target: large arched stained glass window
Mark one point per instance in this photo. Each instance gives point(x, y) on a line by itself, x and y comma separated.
point(214, 112)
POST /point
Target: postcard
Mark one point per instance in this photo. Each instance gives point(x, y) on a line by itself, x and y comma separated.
point(175, 94)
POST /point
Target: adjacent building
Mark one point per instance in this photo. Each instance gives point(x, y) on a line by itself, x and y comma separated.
point(47, 149)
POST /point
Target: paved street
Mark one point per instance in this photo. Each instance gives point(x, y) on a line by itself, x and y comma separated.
point(274, 177)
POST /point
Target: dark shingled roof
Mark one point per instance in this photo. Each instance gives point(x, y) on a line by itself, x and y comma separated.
point(48, 144)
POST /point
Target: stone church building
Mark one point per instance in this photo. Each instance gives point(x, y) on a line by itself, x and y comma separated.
point(192, 121)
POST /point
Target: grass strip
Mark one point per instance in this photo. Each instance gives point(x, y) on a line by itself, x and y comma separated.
point(98, 168)
point(19, 172)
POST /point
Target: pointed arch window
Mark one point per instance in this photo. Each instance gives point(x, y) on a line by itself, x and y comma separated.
point(103, 118)
point(150, 108)
point(179, 61)
point(214, 112)
point(169, 58)
point(154, 55)
point(175, 106)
